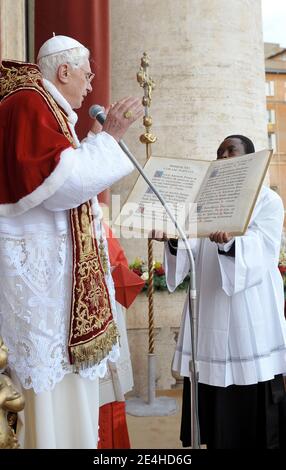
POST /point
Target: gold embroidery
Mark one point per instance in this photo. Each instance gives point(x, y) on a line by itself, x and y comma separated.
point(13, 78)
point(93, 331)
point(22, 76)
point(103, 256)
point(86, 236)
point(89, 354)
point(92, 292)
point(86, 233)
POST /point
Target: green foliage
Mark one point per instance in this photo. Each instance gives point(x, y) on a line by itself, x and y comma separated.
point(139, 266)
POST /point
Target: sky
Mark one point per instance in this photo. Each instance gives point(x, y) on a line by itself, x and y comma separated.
point(274, 21)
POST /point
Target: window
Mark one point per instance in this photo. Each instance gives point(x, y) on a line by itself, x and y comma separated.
point(272, 141)
point(271, 116)
point(269, 88)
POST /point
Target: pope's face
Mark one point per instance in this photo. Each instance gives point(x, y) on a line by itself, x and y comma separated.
point(79, 84)
point(230, 148)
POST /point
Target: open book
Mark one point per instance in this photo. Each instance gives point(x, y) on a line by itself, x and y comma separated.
point(205, 196)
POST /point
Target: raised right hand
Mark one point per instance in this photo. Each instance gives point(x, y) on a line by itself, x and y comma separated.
point(116, 123)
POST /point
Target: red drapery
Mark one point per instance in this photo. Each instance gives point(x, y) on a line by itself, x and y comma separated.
point(88, 22)
point(113, 431)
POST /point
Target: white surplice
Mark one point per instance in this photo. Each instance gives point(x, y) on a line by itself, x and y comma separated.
point(242, 329)
point(36, 283)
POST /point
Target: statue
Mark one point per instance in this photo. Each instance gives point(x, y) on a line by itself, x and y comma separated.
point(10, 401)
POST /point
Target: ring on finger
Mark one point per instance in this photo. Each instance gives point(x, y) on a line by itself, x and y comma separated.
point(127, 114)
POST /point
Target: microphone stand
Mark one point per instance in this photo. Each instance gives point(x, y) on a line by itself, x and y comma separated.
point(192, 293)
point(97, 112)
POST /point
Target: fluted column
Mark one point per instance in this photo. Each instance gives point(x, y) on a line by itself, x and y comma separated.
point(208, 64)
point(12, 27)
point(206, 57)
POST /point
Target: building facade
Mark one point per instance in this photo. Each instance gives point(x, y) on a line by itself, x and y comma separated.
point(275, 89)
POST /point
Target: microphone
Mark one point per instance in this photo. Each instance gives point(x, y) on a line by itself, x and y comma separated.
point(97, 112)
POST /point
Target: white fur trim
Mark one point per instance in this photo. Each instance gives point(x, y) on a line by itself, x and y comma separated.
point(61, 101)
point(51, 184)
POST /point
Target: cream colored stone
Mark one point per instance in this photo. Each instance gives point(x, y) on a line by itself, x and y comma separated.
point(138, 345)
point(167, 316)
point(13, 37)
point(167, 310)
point(208, 64)
point(164, 342)
point(206, 57)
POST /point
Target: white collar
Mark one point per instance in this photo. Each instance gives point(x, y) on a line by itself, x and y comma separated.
point(61, 101)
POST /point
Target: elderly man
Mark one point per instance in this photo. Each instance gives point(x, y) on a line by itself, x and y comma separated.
point(241, 352)
point(57, 310)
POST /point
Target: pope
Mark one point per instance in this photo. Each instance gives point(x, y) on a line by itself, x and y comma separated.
point(57, 309)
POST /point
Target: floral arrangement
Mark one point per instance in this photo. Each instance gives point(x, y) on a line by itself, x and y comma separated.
point(140, 267)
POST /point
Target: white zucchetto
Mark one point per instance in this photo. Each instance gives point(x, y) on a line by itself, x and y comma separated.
point(57, 44)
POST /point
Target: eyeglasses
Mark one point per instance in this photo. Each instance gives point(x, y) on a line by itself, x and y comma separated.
point(89, 76)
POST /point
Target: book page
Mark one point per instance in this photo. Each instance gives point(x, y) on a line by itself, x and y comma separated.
point(203, 196)
point(177, 180)
point(229, 192)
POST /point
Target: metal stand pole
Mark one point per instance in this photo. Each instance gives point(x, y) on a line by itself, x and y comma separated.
point(192, 309)
point(192, 298)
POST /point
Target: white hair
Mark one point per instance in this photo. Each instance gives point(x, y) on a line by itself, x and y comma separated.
point(75, 57)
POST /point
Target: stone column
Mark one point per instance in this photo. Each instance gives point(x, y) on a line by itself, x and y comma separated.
point(12, 26)
point(208, 64)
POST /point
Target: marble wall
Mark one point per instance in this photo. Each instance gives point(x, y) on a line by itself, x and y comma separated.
point(206, 57)
point(12, 26)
